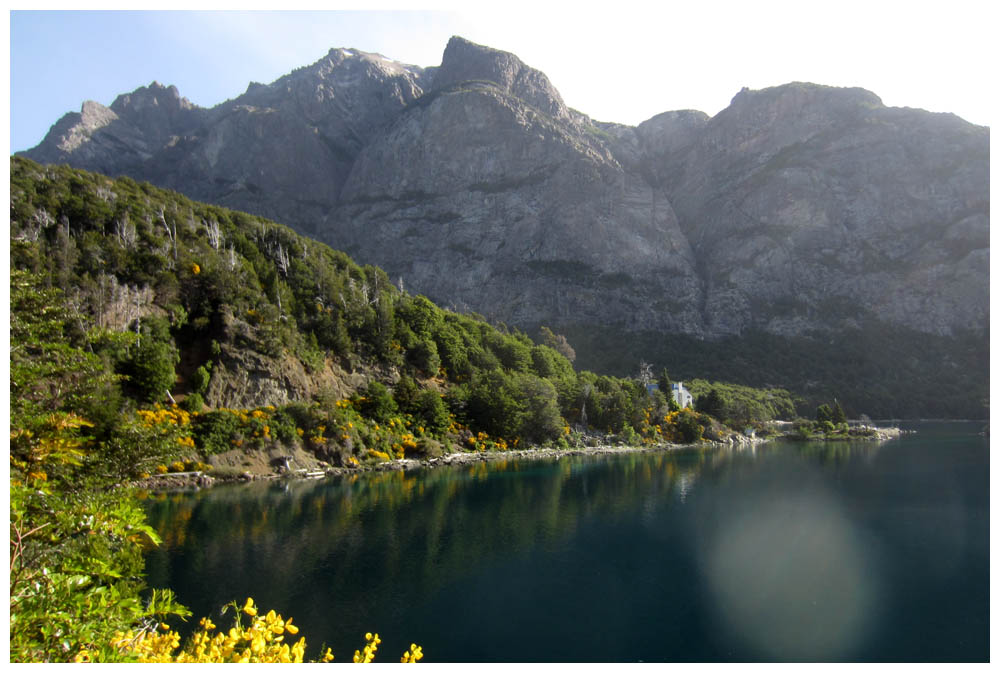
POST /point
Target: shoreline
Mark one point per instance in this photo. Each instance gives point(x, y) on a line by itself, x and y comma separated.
point(875, 435)
point(198, 480)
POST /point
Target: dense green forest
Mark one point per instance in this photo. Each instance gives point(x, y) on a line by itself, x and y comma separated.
point(150, 333)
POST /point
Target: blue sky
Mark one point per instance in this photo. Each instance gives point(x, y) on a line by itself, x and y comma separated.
point(623, 64)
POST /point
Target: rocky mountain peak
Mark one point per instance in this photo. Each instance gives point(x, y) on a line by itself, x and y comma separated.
point(465, 61)
point(806, 93)
point(765, 120)
point(156, 95)
point(93, 115)
point(356, 57)
point(799, 208)
point(156, 113)
point(670, 132)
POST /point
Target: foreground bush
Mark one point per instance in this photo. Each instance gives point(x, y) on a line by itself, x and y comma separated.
point(75, 540)
point(262, 640)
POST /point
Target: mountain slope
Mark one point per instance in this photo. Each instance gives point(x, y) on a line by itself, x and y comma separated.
point(824, 197)
point(800, 212)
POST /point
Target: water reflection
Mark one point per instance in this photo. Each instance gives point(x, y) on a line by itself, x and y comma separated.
point(498, 507)
point(706, 554)
point(349, 541)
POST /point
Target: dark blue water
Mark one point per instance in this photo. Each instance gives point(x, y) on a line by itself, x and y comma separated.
point(791, 552)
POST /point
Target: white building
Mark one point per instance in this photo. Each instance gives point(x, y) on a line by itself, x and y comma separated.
point(681, 395)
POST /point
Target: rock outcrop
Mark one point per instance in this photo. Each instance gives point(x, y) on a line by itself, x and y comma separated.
point(797, 209)
point(813, 206)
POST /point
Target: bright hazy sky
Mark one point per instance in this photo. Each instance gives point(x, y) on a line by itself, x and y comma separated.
point(621, 62)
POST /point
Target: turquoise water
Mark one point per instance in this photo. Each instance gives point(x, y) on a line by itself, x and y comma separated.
point(790, 552)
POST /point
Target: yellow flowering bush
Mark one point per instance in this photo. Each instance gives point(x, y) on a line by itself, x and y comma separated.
point(262, 640)
point(378, 455)
point(482, 442)
point(171, 423)
point(371, 645)
point(160, 415)
point(413, 655)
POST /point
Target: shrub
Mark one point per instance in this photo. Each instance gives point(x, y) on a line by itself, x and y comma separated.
point(213, 431)
point(405, 393)
point(283, 426)
point(429, 448)
point(193, 403)
point(132, 449)
point(376, 403)
point(262, 639)
point(424, 356)
point(201, 378)
point(431, 412)
point(150, 369)
point(227, 472)
point(628, 435)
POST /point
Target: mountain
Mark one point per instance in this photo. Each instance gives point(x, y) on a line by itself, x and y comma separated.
point(800, 212)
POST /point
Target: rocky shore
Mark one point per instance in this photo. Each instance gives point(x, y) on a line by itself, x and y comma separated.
point(197, 480)
point(862, 433)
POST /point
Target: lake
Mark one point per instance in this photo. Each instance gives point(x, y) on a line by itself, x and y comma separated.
point(786, 552)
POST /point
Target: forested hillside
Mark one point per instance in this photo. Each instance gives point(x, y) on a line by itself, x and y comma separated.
point(221, 312)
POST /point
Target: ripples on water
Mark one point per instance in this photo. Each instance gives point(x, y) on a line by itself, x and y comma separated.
point(797, 552)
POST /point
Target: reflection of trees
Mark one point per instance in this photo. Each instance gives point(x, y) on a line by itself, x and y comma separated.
point(345, 555)
point(839, 452)
point(339, 553)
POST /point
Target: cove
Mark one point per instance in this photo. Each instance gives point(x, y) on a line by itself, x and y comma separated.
point(786, 552)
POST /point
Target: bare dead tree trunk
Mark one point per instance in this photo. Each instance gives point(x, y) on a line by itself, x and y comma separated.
point(171, 233)
point(214, 234)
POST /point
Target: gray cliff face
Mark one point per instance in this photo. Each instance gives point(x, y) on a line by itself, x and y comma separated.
point(479, 201)
point(812, 206)
point(797, 208)
point(284, 150)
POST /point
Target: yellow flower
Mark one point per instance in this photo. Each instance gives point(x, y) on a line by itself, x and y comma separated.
point(412, 656)
point(249, 608)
